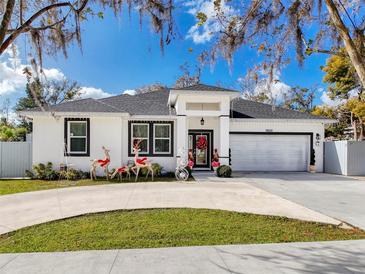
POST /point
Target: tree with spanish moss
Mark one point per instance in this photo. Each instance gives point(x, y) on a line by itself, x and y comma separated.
point(276, 28)
point(52, 25)
point(300, 98)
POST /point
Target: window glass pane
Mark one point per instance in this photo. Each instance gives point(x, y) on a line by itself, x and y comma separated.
point(77, 129)
point(162, 131)
point(78, 144)
point(140, 131)
point(162, 145)
point(142, 145)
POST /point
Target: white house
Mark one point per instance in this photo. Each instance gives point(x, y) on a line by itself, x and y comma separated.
point(249, 136)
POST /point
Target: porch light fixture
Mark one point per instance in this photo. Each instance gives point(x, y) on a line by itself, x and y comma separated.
point(202, 121)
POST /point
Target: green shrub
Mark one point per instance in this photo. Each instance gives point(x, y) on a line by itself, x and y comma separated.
point(45, 172)
point(29, 174)
point(74, 174)
point(156, 170)
point(224, 171)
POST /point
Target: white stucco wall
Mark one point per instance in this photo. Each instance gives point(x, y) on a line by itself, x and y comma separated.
point(257, 125)
point(111, 132)
point(48, 140)
point(222, 100)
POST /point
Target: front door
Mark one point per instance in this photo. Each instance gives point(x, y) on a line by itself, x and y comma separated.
point(200, 143)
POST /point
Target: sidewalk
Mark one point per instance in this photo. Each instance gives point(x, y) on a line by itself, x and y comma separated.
point(314, 257)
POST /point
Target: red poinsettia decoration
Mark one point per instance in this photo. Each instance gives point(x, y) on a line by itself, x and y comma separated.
point(201, 143)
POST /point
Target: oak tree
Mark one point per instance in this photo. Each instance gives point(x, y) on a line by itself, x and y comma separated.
point(274, 28)
point(51, 25)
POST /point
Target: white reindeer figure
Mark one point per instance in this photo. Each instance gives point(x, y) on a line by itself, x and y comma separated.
point(103, 163)
point(141, 162)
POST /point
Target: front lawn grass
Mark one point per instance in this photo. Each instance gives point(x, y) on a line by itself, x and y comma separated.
point(167, 228)
point(24, 185)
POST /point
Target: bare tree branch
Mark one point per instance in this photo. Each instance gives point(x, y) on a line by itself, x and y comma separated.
point(27, 24)
point(6, 19)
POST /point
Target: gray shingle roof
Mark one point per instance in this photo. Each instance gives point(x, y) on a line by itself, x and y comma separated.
point(82, 105)
point(202, 87)
point(155, 103)
point(242, 108)
point(150, 103)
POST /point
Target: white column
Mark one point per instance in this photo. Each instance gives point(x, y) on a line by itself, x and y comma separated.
point(181, 138)
point(224, 140)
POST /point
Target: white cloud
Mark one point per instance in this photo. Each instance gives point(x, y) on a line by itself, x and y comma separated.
point(278, 91)
point(12, 78)
point(130, 92)
point(91, 92)
point(53, 74)
point(204, 33)
point(326, 100)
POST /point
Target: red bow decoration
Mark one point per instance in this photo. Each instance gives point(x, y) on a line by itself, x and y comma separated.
point(201, 143)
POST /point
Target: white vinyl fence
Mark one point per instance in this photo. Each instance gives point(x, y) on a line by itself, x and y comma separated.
point(344, 157)
point(15, 159)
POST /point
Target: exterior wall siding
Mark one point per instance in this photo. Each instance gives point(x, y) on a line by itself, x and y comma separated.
point(111, 132)
point(48, 141)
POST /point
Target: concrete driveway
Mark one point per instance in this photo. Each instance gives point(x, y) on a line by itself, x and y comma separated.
point(336, 196)
point(25, 209)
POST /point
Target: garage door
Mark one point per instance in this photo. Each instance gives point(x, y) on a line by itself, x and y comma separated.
point(265, 152)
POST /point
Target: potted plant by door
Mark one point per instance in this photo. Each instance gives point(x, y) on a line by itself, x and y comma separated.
point(215, 162)
point(312, 164)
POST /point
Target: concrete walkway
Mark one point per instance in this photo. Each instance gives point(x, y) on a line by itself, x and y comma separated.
point(25, 209)
point(319, 257)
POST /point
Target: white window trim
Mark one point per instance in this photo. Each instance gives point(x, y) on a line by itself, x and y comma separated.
point(81, 137)
point(161, 138)
point(141, 138)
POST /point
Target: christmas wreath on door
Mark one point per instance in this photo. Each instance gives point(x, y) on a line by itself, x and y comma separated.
point(201, 143)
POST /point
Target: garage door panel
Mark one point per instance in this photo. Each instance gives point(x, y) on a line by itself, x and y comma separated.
point(251, 152)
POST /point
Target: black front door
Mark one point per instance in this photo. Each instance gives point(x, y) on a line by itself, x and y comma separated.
point(200, 143)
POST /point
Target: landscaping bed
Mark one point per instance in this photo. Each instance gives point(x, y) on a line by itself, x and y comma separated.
point(167, 228)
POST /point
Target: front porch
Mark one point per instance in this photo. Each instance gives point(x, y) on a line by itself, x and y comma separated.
point(202, 117)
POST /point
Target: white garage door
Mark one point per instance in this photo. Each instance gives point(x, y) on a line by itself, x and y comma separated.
point(265, 152)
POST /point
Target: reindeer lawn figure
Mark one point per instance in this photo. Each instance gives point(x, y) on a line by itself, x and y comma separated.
point(140, 162)
point(103, 164)
point(124, 169)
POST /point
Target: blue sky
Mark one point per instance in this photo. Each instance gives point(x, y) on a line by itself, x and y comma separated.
point(117, 56)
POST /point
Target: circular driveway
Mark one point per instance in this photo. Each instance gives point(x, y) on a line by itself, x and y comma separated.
point(30, 208)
